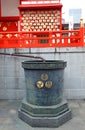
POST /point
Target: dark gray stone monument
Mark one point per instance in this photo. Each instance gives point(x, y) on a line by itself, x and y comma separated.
point(44, 105)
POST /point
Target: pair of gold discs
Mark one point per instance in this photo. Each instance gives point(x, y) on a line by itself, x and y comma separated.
point(41, 84)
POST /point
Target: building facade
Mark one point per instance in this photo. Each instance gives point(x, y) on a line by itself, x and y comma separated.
point(76, 14)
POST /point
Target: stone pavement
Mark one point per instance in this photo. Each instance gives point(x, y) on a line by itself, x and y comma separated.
point(9, 116)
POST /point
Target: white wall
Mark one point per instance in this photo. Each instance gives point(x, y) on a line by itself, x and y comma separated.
point(9, 7)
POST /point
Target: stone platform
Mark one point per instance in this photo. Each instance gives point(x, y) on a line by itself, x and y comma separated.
point(42, 116)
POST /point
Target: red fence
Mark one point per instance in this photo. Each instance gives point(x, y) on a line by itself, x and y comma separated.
point(63, 38)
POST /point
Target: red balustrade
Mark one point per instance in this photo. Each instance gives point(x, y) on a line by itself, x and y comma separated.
point(63, 38)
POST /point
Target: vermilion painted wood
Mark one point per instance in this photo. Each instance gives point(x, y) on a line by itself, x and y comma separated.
point(40, 39)
point(0, 8)
point(8, 24)
point(73, 38)
point(9, 18)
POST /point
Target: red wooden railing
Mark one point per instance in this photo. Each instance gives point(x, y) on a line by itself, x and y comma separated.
point(63, 38)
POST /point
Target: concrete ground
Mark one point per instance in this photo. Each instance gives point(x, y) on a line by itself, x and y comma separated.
point(9, 116)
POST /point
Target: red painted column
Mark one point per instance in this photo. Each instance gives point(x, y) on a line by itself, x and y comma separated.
point(82, 32)
point(0, 8)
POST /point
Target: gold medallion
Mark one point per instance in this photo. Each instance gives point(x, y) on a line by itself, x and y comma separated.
point(9, 35)
point(40, 84)
point(44, 77)
point(1, 35)
point(4, 28)
point(48, 84)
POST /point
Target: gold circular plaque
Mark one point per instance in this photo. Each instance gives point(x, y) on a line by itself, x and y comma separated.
point(44, 77)
point(40, 84)
point(48, 84)
point(4, 28)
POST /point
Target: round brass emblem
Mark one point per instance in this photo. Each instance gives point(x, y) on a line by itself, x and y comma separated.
point(4, 28)
point(44, 77)
point(40, 84)
point(48, 84)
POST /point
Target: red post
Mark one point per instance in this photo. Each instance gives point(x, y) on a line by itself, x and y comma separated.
point(0, 8)
point(81, 32)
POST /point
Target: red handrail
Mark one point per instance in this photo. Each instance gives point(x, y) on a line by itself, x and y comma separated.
point(63, 38)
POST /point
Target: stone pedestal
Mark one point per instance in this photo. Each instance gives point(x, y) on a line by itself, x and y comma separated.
point(44, 105)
